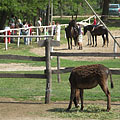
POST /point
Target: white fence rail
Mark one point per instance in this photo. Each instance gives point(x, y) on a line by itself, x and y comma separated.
point(4, 34)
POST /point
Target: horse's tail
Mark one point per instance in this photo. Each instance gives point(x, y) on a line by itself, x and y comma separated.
point(107, 38)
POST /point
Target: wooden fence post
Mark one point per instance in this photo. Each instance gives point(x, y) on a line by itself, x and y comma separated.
point(58, 68)
point(48, 72)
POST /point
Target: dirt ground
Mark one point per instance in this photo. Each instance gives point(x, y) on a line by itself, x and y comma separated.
point(15, 110)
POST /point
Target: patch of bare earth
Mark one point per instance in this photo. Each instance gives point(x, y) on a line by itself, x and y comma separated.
point(15, 110)
point(99, 48)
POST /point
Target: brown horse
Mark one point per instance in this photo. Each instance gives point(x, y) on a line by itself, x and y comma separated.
point(72, 32)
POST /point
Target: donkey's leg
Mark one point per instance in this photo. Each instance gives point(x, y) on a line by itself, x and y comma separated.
point(107, 93)
point(76, 98)
point(72, 96)
point(103, 40)
point(81, 97)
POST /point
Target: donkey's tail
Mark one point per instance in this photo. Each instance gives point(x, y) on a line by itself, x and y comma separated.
point(111, 79)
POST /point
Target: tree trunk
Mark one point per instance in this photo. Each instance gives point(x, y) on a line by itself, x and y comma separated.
point(105, 10)
point(47, 16)
point(3, 18)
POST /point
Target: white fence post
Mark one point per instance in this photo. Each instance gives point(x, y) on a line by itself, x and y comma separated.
point(19, 39)
point(28, 35)
point(37, 34)
point(6, 40)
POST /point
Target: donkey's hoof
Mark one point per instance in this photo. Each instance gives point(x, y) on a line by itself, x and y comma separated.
point(78, 105)
point(67, 110)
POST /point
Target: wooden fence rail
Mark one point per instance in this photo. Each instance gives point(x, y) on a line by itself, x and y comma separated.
point(69, 69)
point(14, 75)
point(19, 57)
point(86, 54)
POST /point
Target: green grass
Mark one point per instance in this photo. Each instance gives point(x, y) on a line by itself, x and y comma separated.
point(91, 112)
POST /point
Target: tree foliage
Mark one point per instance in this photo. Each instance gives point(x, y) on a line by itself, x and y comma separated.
point(32, 9)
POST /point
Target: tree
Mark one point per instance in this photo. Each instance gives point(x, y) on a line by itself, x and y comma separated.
point(24, 9)
point(105, 9)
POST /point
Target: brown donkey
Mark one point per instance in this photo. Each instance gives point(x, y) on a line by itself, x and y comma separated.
point(87, 77)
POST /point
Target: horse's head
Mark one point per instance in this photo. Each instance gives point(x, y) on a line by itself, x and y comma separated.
point(85, 29)
point(72, 23)
point(88, 28)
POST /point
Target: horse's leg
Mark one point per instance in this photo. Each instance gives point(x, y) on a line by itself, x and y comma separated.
point(93, 40)
point(81, 97)
point(96, 40)
point(103, 40)
point(76, 41)
point(68, 43)
point(90, 39)
point(71, 43)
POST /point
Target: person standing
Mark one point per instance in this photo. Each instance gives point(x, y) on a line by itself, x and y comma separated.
point(58, 28)
point(39, 23)
point(80, 37)
point(25, 32)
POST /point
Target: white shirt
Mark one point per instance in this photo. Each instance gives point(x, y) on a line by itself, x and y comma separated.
point(58, 32)
point(39, 23)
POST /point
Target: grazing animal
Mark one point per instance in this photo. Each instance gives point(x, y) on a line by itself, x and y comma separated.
point(87, 77)
point(72, 32)
point(97, 31)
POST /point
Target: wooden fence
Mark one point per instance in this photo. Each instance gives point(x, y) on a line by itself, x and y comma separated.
point(47, 59)
point(47, 74)
point(69, 69)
